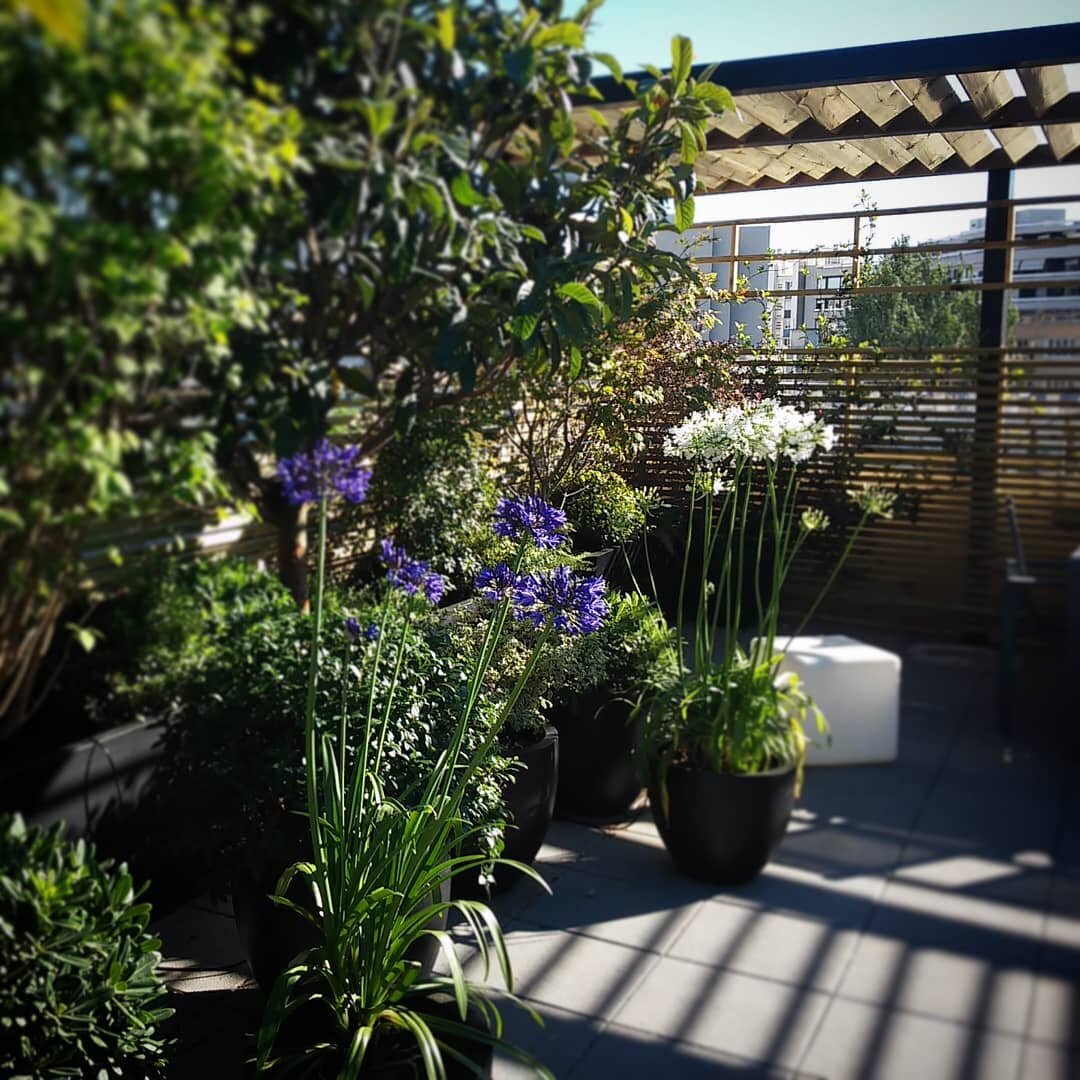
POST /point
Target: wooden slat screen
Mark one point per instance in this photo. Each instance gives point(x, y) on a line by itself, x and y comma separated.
point(911, 423)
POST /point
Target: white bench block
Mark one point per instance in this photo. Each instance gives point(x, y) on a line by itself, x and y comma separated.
point(857, 687)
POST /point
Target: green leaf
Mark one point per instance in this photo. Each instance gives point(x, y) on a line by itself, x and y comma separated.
point(11, 518)
point(522, 326)
point(688, 144)
point(582, 294)
point(717, 97)
point(611, 64)
point(86, 636)
point(682, 59)
point(531, 232)
point(444, 27)
point(520, 65)
point(357, 381)
point(566, 34)
point(684, 213)
point(463, 191)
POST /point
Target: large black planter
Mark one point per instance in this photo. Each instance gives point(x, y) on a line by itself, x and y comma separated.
point(721, 827)
point(598, 775)
point(102, 789)
point(392, 1054)
point(530, 801)
point(272, 936)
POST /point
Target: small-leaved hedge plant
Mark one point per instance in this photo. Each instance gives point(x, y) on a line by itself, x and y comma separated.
point(604, 510)
point(434, 489)
point(233, 751)
point(79, 990)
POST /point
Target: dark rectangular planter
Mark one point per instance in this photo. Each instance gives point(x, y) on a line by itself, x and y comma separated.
point(98, 787)
point(83, 783)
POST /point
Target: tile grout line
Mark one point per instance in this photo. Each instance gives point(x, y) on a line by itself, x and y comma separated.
point(834, 995)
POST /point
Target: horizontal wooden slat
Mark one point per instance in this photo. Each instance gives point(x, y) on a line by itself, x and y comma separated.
point(915, 573)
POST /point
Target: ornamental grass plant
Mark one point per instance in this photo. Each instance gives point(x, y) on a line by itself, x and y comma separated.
point(380, 864)
point(729, 711)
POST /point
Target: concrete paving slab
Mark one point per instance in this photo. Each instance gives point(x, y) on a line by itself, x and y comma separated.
point(764, 1020)
point(806, 946)
point(858, 1041)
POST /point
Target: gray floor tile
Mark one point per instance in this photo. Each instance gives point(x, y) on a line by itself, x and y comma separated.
point(1042, 1062)
point(195, 939)
point(805, 944)
point(525, 891)
point(569, 971)
point(1055, 1011)
point(622, 1053)
point(959, 959)
point(645, 914)
point(624, 855)
point(845, 848)
point(857, 1041)
point(727, 1012)
point(559, 1044)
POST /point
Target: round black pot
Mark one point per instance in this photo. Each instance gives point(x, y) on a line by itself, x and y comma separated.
point(530, 802)
point(392, 1054)
point(272, 936)
point(721, 827)
point(598, 775)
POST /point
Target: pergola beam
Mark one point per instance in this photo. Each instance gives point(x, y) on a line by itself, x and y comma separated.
point(998, 159)
point(1027, 47)
point(963, 117)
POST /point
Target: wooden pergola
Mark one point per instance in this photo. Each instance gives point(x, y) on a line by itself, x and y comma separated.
point(977, 104)
point(973, 103)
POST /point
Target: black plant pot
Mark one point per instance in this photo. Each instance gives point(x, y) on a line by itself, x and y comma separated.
point(721, 827)
point(530, 800)
point(272, 936)
point(598, 775)
point(392, 1054)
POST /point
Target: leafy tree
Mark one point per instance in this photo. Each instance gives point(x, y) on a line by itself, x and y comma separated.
point(456, 220)
point(558, 426)
point(135, 178)
point(920, 321)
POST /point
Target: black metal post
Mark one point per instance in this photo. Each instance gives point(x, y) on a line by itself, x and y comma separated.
point(989, 371)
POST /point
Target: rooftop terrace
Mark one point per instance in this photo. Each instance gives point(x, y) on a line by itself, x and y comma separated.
point(921, 919)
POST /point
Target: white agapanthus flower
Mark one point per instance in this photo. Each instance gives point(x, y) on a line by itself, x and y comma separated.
point(762, 430)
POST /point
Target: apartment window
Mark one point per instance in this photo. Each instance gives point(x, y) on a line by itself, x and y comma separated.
point(832, 283)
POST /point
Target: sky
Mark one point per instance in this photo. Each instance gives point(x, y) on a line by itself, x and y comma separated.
point(639, 31)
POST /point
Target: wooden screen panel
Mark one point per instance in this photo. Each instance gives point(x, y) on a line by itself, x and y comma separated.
point(912, 422)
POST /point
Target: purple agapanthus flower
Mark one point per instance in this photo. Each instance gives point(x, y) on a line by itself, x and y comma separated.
point(495, 583)
point(530, 517)
point(413, 576)
point(572, 604)
point(323, 472)
point(353, 630)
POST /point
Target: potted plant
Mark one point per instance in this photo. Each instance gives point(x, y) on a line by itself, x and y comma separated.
point(723, 749)
point(607, 515)
point(528, 739)
point(79, 990)
point(598, 715)
point(355, 1002)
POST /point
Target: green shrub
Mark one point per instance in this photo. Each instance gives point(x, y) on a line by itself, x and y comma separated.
point(634, 654)
point(605, 510)
point(78, 983)
point(233, 761)
point(169, 626)
point(434, 490)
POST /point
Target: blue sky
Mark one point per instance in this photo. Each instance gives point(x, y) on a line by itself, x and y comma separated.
point(640, 31)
